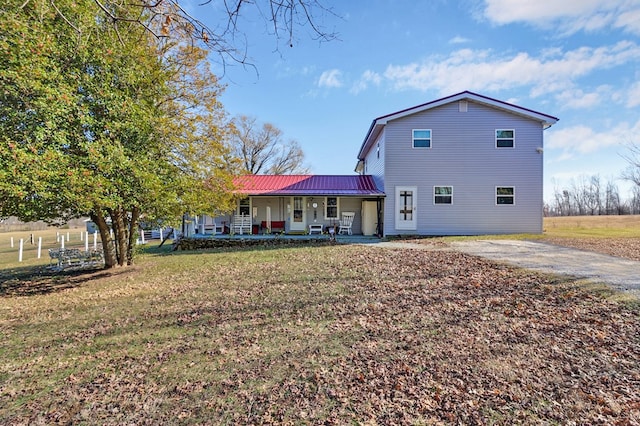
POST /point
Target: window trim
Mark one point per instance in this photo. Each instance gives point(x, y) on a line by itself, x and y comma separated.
point(512, 138)
point(414, 138)
point(512, 196)
point(442, 195)
point(326, 206)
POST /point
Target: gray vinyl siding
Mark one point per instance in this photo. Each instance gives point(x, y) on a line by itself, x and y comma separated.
point(463, 155)
point(374, 166)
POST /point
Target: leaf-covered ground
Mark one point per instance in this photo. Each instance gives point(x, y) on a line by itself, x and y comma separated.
point(628, 248)
point(324, 335)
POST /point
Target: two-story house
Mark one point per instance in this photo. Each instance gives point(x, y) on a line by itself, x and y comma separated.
point(466, 164)
point(461, 165)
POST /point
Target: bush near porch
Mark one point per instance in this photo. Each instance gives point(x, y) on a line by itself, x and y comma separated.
point(238, 242)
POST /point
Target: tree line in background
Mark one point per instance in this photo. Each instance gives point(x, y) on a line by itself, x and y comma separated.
point(591, 196)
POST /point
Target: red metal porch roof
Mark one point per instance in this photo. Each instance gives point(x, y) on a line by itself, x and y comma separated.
point(355, 185)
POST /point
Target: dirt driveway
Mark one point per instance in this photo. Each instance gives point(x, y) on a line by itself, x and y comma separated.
point(621, 274)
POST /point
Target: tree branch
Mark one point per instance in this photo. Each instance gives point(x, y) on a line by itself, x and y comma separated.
point(162, 17)
point(53, 3)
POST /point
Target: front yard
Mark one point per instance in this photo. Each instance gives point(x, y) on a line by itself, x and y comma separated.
point(335, 335)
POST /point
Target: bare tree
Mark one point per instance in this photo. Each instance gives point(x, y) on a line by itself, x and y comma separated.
point(261, 148)
point(632, 172)
point(577, 195)
point(225, 35)
point(566, 201)
point(591, 189)
point(633, 205)
point(612, 204)
point(561, 203)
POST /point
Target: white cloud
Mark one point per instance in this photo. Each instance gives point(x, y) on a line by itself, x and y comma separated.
point(569, 16)
point(459, 40)
point(581, 139)
point(331, 79)
point(368, 77)
point(482, 70)
point(284, 71)
point(629, 19)
point(578, 99)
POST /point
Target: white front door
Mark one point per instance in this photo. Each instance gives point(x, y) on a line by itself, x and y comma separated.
point(298, 214)
point(406, 202)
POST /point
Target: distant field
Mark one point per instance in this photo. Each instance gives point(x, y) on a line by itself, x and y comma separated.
point(592, 226)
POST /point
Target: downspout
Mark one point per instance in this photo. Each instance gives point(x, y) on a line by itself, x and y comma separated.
point(380, 226)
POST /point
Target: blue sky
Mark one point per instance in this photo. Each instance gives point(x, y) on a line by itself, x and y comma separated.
point(578, 60)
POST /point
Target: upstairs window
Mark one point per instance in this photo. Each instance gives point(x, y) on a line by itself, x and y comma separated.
point(505, 195)
point(422, 138)
point(442, 194)
point(505, 138)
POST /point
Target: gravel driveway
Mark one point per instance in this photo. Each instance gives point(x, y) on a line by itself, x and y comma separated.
point(621, 274)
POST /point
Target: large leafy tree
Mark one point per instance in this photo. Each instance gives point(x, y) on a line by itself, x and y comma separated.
point(105, 120)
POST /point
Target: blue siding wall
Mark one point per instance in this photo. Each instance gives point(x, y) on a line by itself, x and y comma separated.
point(463, 155)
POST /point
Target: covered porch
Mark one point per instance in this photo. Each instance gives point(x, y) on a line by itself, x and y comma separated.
point(304, 205)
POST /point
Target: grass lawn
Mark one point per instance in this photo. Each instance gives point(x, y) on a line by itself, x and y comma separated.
point(335, 334)
point(593, 226)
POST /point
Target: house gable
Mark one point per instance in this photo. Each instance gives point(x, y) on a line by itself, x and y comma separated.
point(378, 124)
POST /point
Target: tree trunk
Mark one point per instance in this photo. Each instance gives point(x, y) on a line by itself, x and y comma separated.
point(119, 250)
point(119, 219)
point(133, 226)
point(108, 251)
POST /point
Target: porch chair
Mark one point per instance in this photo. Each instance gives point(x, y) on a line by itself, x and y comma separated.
point(346, 222)
point(241, 224)
point(217, 228)
point(213, 227)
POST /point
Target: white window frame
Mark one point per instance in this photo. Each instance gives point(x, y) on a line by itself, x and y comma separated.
point(413, 138)
point(326, 205)
point(442, 195)
point(513, 196)
point(512, 138)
